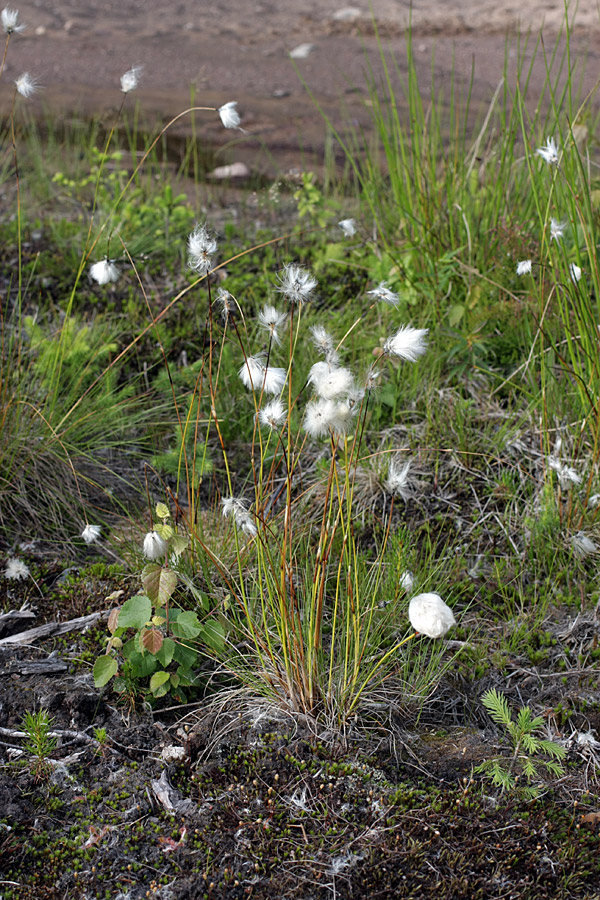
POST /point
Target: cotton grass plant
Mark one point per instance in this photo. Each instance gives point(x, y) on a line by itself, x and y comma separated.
point(310, 629)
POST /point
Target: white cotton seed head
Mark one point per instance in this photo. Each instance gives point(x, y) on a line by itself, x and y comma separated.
point(567, 476)
point(91, 533)
point(549, 152)
point(271, 319)
point(557, 229)
point(406, 581)
point(16, 569)
point(574, 272)
point(429, 615)
point(320, 417)
point(258, 377)
point(273, 414)
point(383, 293)
point(348, 226)
point(202, 246)
point(329, 381)
point(408, 343)
point(10, 21)
point(398, 483)
point(104, 271)
point(131, 79)
point(296, 284)
point(155, 546)
point(229, 115)
point(583, 545)
point(524, 267)
point(26, 85)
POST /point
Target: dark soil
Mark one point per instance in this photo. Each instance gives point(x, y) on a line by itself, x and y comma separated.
point(261, 805)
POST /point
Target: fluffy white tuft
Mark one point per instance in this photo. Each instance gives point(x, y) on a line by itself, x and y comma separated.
point(429, 615)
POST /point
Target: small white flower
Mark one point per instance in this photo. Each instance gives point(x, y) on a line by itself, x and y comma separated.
point(91, 533)
point(594, 501)
point(26, 85)
point(273, 414)
point(229, 115)
point(104, 271)
point(549, 152)
point(382, 292)
point(201, 249)
point(524, 267)
point(329, 381)
point(406, 581)
point(575, 273)
point(16, 569)
point(582, 545)
point(557, 229)
point(10, 21)
point(296, 283)
point(398, 483)
point(408, 343)
point(131, 79)
point(348, 226)
point(272, 319)
point(258, 377)
point(155, 546)
point(429, 615)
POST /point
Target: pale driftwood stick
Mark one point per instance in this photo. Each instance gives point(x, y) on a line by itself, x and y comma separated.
point(64, 733)
point(21, 616)
point(51, 629)
point(50, 666)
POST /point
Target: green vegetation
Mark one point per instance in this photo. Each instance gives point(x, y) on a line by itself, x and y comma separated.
point(284, 433)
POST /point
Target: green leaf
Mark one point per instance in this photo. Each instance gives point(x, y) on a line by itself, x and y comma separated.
point(455, 314)
point(104, 669)
point(142, 666)
point(165, 654)
point(135, 612)
point(185, 656)
point(165, 531)
point(157, 680)
point(179, 543)
point(187, 625)
point(159, 583)
point(162, 511)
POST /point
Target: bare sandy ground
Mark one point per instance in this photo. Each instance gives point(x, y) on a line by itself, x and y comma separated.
point(240, 50)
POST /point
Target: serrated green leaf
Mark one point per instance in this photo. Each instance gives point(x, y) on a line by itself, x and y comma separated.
point(165, 531)
point(179, 543)
point(162, 511)
point(159, 583)
point(165, 654)
point(187, 625)
point(135, 612)
point(105, 668)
